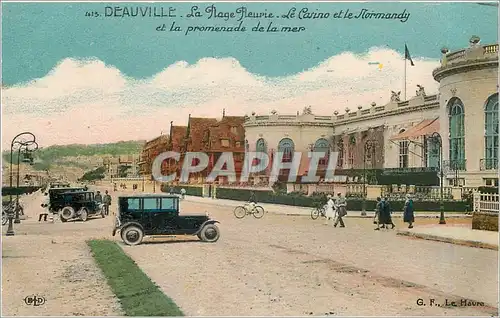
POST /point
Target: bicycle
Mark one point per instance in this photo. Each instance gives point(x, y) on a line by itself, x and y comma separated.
point(317, 211)
point(241, 211)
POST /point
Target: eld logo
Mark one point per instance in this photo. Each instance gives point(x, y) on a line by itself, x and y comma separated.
point(34, 300)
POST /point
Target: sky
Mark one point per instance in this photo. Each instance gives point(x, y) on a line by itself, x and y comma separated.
point(70, 78)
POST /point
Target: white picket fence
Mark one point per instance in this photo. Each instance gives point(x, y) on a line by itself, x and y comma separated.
point(486, 202)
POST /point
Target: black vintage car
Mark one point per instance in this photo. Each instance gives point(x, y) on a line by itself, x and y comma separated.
point(56, 198)
point(80, 204)
point(147, 215)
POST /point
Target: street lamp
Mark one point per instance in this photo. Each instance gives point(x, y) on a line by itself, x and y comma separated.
point(23, 140)
point(436, 137)
point(369, 145)
point(27, 158)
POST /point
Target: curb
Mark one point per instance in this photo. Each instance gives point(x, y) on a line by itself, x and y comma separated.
point(449, 240)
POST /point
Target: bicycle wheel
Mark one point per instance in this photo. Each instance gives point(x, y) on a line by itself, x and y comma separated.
point(315, 213)
point(258, 212)
point(240, 212)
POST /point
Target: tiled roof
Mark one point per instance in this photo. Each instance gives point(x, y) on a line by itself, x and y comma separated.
point(198, 133)
point(178, 135)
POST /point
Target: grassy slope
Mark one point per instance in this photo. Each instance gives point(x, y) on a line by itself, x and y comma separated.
point(138, 295)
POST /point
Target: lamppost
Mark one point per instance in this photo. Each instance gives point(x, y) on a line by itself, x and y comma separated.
point(369, 145)
point(28, 157)
point(22, 140)
point(436, 137)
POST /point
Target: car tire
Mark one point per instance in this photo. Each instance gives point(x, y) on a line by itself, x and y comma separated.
point(132, 235)
point(210, 233)
point(67, 213)
point(84, 214)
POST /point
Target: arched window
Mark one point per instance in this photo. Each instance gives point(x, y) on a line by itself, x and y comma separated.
point(286, 146)
point(260, 146)
point(322, 145)
point(403, 152)
point(457, 134)
point(491, 133)
point(340, 150)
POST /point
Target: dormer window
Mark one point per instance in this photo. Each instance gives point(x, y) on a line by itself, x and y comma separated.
point(238, 144)
point(234, 130)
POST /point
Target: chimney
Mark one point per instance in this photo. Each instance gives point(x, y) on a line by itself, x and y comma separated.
point(223, 112)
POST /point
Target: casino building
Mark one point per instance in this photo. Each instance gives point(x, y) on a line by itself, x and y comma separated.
point(405, 138)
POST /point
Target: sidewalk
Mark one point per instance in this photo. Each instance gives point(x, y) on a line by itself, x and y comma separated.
point(458, 235)
point(302, 211)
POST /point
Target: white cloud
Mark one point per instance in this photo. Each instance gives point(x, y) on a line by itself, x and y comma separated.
point(89, 102)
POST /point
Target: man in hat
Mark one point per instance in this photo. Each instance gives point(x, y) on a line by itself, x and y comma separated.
point(107, 202)
point(341, 209)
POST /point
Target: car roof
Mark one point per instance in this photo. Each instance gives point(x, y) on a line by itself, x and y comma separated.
point(79, 192)
point(149, 195)
point(66, 188)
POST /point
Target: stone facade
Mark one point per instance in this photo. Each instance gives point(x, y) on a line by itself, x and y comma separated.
point(471, 75)
point(352, 130)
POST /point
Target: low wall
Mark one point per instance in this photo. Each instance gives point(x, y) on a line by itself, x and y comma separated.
point(354, 204)
point(487, 221)
point(20, 190)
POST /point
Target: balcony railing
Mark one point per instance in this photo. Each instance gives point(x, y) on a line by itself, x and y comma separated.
point(455, 165)
point(488, 164)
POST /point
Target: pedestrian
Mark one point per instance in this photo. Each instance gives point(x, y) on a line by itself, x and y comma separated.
point(183, 193)
point(330, 209)
point(98, 197)
point(388, 212)
point(380, 212)
point(45, 206)
point(107, 202)
point(408, 214)
point(341, 209)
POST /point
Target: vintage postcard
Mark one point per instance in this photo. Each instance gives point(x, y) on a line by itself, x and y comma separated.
point(250, 158)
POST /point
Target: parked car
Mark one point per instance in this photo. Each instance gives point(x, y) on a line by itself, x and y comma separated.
point(56, 200)
point(80, 204)
point(148, 214)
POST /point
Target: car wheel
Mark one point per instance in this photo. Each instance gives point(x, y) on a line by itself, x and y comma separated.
point(259, 212)
point(210, 233)
point(67, 213)
point(132, 235)
point(84, 215)
point(240, 212)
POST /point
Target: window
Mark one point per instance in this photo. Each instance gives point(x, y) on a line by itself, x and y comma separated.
point(234, 130)
point(238, 144)
point(151, 204)
point(260, 146)
point(431, 153)
point(491, 133)
point(133, 204)
point(286, 146)
point(340, 149)
point(350, 159)
point(403, 154)
point(491, 182)
point(457, 134)
point(322, 145)
point(168, 204)
point(224, 142)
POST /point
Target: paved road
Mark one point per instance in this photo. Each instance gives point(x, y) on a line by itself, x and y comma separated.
point(286, 265)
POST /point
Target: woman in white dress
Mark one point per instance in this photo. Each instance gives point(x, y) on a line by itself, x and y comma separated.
point(330, 209)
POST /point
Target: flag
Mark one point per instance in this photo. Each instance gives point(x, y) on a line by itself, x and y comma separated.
point(408, 56)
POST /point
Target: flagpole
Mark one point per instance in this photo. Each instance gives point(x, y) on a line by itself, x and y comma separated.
point(404, 93)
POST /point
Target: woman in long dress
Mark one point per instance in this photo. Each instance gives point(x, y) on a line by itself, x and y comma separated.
point(408, 214)
point(330, 209)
